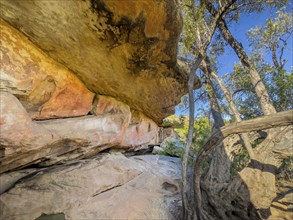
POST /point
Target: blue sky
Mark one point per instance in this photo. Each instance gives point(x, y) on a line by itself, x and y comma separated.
point(239, 30)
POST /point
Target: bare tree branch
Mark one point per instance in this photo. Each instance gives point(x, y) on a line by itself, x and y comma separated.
point(239, 90)
point(281, 61)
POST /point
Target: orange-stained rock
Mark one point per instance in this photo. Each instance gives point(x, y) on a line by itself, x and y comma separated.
point(123, 49)
point(24, 141)
point(18, 133)
point(46, 88)
point(105, 104)
point(54, 54)
point(48, 142)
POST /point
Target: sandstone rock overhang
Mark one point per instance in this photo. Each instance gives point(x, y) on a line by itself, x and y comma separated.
point(123, 49)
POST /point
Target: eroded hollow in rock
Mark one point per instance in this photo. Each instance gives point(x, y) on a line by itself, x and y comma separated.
point(57, 216)
point(169, 187)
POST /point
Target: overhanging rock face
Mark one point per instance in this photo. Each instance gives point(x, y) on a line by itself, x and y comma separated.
point(123, 49)
point(78, 77)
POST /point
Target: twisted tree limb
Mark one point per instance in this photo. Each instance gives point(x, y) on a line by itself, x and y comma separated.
point(265, 122)
point(187, 210)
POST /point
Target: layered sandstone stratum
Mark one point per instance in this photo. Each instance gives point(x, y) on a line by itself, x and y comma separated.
point(79, 77)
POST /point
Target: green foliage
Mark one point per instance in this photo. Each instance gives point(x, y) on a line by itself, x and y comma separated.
point(270, 39)
point(243, 92)
point(202, 131)
point(217, 46)
point(174, 121)
point(281, 89)
point(279, 84)
point(196, 28)
point(172, 150)
point(274, 34)
point(248, 7)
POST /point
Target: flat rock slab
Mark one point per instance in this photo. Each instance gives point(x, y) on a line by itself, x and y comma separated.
point(110, 186)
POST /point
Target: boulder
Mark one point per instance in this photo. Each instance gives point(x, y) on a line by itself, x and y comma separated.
point(282, 205)
point(262, 189)
point(172, 138)
point(126, 50)
point(266, 193)
point(107, 187)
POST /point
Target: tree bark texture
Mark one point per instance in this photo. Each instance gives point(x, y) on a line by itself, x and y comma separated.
point(235, 113)
point(187, 211)
point(220, 160)
point(256, 81)
point(255, 78)
point(210, 89)
point(260, 123)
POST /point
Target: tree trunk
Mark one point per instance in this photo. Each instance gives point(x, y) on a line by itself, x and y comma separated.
point(215, 108)
point(220, 160)
point(256, 81)
point(235, 113)
point(187, 211)
point(265, 122)
point(279, 63)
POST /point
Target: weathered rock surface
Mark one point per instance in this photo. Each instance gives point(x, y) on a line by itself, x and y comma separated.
point(104, 105)
point(141, 131)
point(157, 150)
point(258, 192)
point(48, 142)
point(18, 132)
point(260, 176)
point(87, 75)
point(79, 77)
point(126, 50)
point(108, 187)
point(45, 88)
